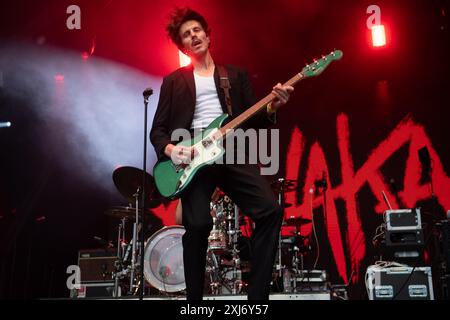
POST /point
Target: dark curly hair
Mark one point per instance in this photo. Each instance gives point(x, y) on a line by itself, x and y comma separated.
point(180, 16)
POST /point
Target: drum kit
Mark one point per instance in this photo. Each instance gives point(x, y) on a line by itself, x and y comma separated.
point(292, 245)
point(228, 258)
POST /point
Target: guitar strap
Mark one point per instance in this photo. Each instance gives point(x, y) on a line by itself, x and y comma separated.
point(225, 85)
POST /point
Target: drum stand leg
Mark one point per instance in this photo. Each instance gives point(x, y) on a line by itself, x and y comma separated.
point(120, 256)
point(237, 283)
point(134, 244)
point(279, 266)
point(295, 267)
point(214, 275)
point(133, 258)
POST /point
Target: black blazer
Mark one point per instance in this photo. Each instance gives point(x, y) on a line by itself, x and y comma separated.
point(177, 103)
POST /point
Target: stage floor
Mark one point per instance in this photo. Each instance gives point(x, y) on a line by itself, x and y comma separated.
point(277, 296)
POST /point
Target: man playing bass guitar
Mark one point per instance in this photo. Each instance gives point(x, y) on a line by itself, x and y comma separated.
point(191, 98)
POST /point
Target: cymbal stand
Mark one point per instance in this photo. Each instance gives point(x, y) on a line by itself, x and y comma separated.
point(296, 260)
point(301, 246)
point(212, 269)
point(237, 283)
point(280, 202)
point(120, 256)
point(134, 242)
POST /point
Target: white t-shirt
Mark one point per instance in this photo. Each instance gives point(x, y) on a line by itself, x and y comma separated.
point(207, 105)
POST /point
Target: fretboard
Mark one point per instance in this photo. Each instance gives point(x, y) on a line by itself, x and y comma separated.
point(247, 114)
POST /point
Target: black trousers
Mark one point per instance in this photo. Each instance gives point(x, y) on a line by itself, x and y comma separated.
point(253, 195)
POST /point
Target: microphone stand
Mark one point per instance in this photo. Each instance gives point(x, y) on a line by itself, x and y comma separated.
point(147, 93)
point(280, 202)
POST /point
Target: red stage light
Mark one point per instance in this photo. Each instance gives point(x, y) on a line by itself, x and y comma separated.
point(41, 219)
point(59, 78)
point(85, 56)
point(378, 36)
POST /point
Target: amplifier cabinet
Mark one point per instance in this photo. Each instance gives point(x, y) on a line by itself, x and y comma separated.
point(96, 265)
point(385, 283)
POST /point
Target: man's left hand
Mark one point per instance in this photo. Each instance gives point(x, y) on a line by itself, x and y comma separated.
point(282, 94)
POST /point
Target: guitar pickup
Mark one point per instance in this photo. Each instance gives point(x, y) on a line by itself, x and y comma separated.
point(206, 143)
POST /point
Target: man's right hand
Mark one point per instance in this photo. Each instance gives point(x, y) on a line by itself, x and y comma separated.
point(180, 154)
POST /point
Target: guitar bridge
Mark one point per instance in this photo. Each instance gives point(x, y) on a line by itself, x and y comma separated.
point(179, 167)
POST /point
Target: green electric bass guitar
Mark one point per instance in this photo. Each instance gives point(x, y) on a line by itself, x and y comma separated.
point(171, 179)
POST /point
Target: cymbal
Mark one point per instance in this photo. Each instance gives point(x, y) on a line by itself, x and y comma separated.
point(295, 221)
point(128, 181)
point(285, 184)
point(122, 212)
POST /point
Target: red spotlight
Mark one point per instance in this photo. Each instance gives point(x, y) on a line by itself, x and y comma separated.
point(92, 47)
point(41, 219)
point(85, 55)
point(378, 36)
point(59, 78)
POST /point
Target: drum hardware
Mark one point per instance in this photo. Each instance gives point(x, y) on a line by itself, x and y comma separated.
point(123, 269)
point(213, 270)
point(281, 186)
point(129, 182)
point(223, 260)
point(120, 253)
point(126, 251)
point(234, 234)
point(238, 284)
point(295, 244)
point(285, 185)
point(297, 248)
point(134, 253)
point(217, 239)
point(296, 221)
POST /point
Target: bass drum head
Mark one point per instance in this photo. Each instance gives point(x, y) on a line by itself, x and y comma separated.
point(163, 259)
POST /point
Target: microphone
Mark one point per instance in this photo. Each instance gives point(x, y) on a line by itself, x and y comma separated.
point(322, 183)
point(147, 93)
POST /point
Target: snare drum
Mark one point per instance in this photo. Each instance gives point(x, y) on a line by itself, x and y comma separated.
point(217, 241)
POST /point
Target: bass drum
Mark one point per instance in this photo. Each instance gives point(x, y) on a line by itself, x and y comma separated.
point(163, 259)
